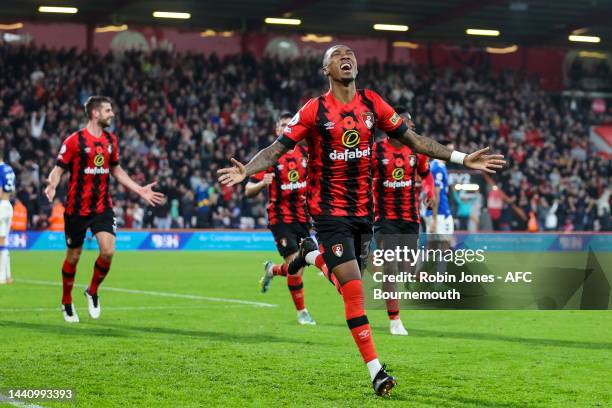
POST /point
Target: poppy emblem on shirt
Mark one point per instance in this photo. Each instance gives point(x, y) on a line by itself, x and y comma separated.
point(368, 119)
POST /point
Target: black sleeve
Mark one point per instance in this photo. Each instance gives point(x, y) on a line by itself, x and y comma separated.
point(61, 164)
point(398, 131)
point(287, 142)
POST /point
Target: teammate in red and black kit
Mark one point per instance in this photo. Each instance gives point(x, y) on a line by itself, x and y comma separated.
point(91, 155)
point(398, 174)
point(339, 128)
point(288, 217)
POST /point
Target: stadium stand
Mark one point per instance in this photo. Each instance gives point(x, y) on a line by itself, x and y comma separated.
point(180, 116)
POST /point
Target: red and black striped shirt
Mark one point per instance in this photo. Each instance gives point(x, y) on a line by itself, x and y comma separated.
point(397, 181)
point(89, 160)
point(287, 192)
point(340, 138)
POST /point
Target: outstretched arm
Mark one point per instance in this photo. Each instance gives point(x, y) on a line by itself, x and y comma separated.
point(425, 145)
point(152, 198)
point(261, 161)
point(477, 160)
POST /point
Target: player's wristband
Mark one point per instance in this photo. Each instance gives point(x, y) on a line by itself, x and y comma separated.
point(457, 157)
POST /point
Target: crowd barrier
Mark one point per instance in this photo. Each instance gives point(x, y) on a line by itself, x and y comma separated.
point(263, 241)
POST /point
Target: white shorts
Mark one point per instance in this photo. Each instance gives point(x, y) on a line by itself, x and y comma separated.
point(445, 226)
point(6, 215)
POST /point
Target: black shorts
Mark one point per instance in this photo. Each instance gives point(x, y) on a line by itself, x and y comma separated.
point(288, 236)
point(392, 233)
point(343, 239)
point(75, 226)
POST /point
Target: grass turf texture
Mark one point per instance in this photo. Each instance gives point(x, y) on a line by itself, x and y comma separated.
point(189, 352)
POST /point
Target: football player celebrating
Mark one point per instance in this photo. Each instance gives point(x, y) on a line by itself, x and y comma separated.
point(91, 155)
point(339, 127)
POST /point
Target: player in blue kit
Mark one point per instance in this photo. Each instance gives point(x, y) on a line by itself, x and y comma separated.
point(7, 183)
point(439, 219)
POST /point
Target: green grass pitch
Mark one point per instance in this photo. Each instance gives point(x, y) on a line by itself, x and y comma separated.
point(150, 350)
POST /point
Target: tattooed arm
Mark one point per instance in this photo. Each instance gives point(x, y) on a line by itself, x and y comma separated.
point(477, 160)
point(261, 161)
point(425, 145)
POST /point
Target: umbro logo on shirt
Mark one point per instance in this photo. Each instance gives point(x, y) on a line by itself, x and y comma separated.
point(329, 125)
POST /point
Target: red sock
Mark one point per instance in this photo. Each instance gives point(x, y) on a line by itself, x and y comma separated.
point(279, 270)
point(68, 272)
point(352, 294)
point(296, 288)
point(101, 268)
point(393, 309)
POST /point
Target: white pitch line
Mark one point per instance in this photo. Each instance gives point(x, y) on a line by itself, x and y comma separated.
point(4, 398)
point(153, 293)
point(120, 308)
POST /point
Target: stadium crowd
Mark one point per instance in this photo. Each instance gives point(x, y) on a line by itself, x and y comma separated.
point(180, 117)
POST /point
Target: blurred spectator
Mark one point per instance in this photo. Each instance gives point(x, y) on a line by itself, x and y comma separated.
point(181, 116)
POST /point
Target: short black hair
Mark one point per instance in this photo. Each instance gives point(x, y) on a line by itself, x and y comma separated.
point(445, 142)
point(284, 115)
point(94, 102)
point(327, 51)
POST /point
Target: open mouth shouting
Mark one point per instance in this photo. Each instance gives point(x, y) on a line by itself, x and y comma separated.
point(346, 67)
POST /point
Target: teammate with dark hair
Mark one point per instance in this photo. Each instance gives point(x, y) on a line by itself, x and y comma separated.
point(288, 217)
point(91, 155)
point(339, 127)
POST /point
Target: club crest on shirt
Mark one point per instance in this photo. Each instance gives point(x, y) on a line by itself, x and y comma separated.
point(110, 149)
point(412, 161)
point(304, 163)
point(338, 250)
point(368, 119)
point(283, 242)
